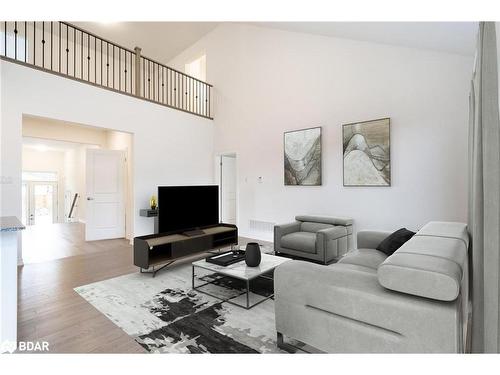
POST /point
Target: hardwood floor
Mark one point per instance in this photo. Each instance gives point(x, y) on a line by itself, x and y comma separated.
point(42, 243)
point(50, 310)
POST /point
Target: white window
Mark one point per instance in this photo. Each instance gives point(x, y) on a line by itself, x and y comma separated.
point(197, 68)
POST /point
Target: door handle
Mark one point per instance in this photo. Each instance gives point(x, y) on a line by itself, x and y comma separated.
point(90, 198)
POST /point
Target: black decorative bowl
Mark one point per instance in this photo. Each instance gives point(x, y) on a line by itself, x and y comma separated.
point(252, 254)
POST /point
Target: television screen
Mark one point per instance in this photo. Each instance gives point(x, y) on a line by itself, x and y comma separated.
point(187, 207)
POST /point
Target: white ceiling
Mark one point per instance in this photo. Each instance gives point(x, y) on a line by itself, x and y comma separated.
point(159, 41)
point(453, 37)
point(164, 40)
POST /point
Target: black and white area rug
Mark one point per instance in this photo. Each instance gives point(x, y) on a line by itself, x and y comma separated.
point(164, 314)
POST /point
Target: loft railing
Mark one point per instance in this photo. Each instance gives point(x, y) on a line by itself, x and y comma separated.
point(69, 51)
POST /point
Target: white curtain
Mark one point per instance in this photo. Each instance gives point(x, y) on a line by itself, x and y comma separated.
point(484, 193)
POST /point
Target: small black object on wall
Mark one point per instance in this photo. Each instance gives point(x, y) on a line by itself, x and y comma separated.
point(252, 254)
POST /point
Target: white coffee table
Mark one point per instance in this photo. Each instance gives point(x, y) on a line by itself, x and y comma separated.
point(239, 271)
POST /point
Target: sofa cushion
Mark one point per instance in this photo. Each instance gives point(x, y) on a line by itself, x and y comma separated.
point(395, 240)
point(300, 241)
point(324, 219)
point(370, 258)
point(308, 226)
point(446, 229)
point(421, 275)
point(431, 264)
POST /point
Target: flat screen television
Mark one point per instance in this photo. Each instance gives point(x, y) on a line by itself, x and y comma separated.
point(183, 208)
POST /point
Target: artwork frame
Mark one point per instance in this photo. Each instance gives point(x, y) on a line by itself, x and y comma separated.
point(297, 145)
point(376, 136)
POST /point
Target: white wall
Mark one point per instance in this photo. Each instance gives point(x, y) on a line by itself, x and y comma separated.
point(269, 81)
point(170, 147)
point(40, 127)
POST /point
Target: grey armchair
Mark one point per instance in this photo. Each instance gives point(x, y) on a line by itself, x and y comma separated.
point(320, 239)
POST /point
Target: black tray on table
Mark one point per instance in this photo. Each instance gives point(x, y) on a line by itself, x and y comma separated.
point(227, 258)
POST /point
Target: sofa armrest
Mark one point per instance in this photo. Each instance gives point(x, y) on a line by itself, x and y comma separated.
point(332, 233)
point(370, 239)
point(282, 230)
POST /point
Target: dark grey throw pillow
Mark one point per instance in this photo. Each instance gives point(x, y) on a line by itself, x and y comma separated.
point(395, 240)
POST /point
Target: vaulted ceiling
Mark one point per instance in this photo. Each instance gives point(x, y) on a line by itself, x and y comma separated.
point(164, 40)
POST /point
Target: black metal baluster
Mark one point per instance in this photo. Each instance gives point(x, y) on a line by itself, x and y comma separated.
point(43, 44)
point(51, 43)
point(178, 91)
point(107, 64)
point(15, 40)
point(125, 70)
point(149, 79)
point(67, 49)
point(163, 84)
point(167, 86)
point(175, 88)
point(154, 82)
point(101, 61)
point(74, 52)
point(143, 77)
point(5, 37)
point(95, 60)
point(186, 89)
point(25, 41)
point(88, 57)
point(120, 69)
point(203, 106)
point(197, 102)
point(81, 55)
point(59, 54)
point(209, 89)
point(113, 65)
point(34, 41)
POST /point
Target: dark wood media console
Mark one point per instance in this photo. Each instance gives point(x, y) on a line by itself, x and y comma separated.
point(162, 249)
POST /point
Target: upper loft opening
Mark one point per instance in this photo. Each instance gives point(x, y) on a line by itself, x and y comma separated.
point(72, 52)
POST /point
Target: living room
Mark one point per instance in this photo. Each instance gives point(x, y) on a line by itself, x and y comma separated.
point(297, 187)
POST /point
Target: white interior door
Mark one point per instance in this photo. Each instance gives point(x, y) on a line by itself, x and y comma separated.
point(228, 189)
point(105, 198)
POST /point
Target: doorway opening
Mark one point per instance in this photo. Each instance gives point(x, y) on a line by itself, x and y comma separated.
point(226, 178)
point(77, 186)
point(40, 203)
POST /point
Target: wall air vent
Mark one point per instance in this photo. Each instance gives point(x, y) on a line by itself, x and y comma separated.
point(262, 226)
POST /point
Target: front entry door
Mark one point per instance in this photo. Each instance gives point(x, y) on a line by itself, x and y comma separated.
point(105, 200)
point(39, 202)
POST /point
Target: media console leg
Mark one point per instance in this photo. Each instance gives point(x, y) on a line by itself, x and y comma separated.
point(192, 277)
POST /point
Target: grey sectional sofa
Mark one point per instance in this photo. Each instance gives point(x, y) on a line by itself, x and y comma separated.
point(414, 301)
point(318, 238)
